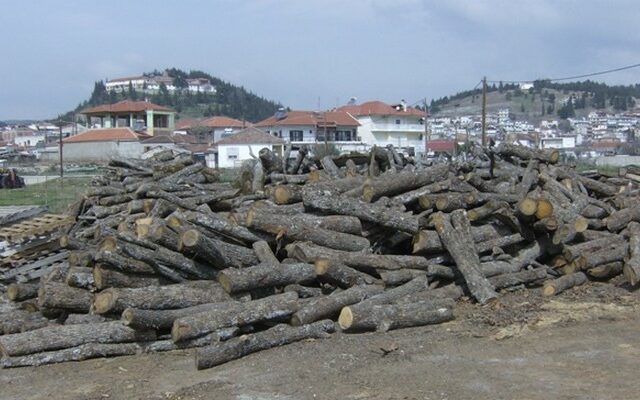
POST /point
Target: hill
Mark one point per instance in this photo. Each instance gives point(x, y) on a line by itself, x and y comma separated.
point(544, 100)
point(229, 99)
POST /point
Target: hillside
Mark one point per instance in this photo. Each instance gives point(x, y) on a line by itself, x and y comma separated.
point(544, 101)
point(229, 100)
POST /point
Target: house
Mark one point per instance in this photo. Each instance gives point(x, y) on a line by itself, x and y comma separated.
point(440, 147)
point(152, 83)
point(102, 144)
point(210, 130)
point(233, 150)
point(307, 127)
point(140, 116)
point(382, 124)
point(558, 142)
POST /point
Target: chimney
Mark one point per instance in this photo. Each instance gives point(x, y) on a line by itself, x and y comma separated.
point(403, 104)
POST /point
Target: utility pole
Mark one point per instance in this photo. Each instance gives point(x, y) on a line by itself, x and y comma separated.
point(484, 111)
point(426, 129)
point(60, 147)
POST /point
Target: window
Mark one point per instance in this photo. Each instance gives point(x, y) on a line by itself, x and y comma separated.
point(397, 122)
point(233, 153)
point(344, 136)
point(295, 136)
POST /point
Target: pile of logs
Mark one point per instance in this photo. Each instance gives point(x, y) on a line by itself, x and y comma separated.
point(163, 256)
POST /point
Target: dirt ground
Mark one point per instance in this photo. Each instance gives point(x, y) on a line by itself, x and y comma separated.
point(582, 344)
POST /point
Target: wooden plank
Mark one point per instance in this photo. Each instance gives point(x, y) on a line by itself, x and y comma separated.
point(35, 265)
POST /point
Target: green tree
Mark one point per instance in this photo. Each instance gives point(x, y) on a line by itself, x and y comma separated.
point(508, 96)
point(522, 109)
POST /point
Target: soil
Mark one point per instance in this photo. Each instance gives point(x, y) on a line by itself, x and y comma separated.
point(582, 344)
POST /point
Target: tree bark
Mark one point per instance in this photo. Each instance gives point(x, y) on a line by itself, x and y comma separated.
point(162, 320)
point(159, 297)
point(279, 335)
point(631, 269)
point(330, 306)
point(563, 283)
point(393, 184)
point(341, 275)
point(22, 291)
point(80, 277)
point(265, 275)
point(104, 278)
point(78, 353)
point(518, 278)
point(385, 317)
point(620, 219)
point(328, 202)
point(56, 295)
point(277, 307)
point(455, 234)
point(309, 252)
point(525, 153)
point(65, 336)
point(124, 264)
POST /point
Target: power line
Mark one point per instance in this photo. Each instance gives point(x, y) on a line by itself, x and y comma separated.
point(566, 78)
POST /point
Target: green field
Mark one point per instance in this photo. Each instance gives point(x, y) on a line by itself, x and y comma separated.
point(56, 194)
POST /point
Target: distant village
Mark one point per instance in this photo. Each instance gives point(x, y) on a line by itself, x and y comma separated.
point(130, 128)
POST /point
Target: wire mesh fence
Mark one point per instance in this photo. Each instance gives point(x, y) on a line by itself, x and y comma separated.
point(46, 190)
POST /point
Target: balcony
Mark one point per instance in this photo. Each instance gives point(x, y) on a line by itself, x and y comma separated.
point(397, 128)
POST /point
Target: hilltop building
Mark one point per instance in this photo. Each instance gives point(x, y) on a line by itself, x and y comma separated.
point(140, 116)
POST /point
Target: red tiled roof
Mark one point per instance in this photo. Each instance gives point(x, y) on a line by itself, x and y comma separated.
point(212, 122)
point(312, 118)
point(106, 135)
point(127, 79)
point(441, 145)
point(186, 123)
point(379, 108)
point(125, 106)
point(250, 135)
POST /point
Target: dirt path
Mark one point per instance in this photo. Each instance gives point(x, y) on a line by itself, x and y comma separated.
point(564, 349)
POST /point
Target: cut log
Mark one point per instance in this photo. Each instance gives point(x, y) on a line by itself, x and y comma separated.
point(553, 287)
point(270, 161)
point(287, 194)
point(124, 264)
point(620, 219)
point(280, 335)
point(162, 320)
point(304, 292)
point(341, 275)
point(265, 275)
point(606, 271)
point(257, 183)
point(65, 336)
point(104, 278)
point(485, 210)
point(22, 291)
point(393, 316)
point(215, 223)
point(524, 257)
point(80, 277)
point(216, 252)
point(571, 252)
point(550, 156)
point(389, 185)
point(330, 306)
point(264, 253)
point(518, 278)
point(298, 230)
point(330, 202)
point(632, 264)
point(78, 353)
point(455, 233)
point(159, 297)
point(309, 252)
point(428, 241)
point(272, 308)
point(398, 277)
point(56, 295)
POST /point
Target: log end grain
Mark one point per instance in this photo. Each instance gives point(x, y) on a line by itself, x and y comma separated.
point(544, 208)
point(528, 206)
point(104, 301)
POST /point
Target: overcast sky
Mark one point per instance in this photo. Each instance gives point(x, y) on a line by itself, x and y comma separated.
point(305, 52)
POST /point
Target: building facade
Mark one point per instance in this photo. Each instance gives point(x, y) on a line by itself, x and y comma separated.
point(141, 116)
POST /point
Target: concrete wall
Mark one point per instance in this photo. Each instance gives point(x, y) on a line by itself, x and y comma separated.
point(618, 161)
point(100, 151)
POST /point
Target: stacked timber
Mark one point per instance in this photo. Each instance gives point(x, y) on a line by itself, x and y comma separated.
point(164, 256)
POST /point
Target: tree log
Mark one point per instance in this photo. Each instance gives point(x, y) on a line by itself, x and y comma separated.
point(620, 219)
point(80, 277)
point(124, 264)
point(631, 268)
point(393, 316)
point(104, 278)
point(216, 252)
point(65, 336)
point(78, 353)
point(56, 295)
point(22, 291)
point(341, 275)
point(563, 283)
point(277, 307)
point(525, 153)
point(159, 297)
point(389, 185)
point(265, 275)
point(455, 234)
point(162, 320)
point(280, 335)
point(330, 306)
point(518, 278)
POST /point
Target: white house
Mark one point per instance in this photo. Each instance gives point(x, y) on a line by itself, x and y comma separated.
point(382, 124)
point(307, 127)
point(210, 130)
point(102, 144)
point(235, 149)
point(558, 142)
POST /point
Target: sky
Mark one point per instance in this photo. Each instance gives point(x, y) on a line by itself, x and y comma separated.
point(307, 54)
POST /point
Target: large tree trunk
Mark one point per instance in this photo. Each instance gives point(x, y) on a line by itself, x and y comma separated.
point(235, 280)
point(338, 223)
point(65, 336)
point(277, 307)
point(455, 234)
point(279, 335)
point(159, 297)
